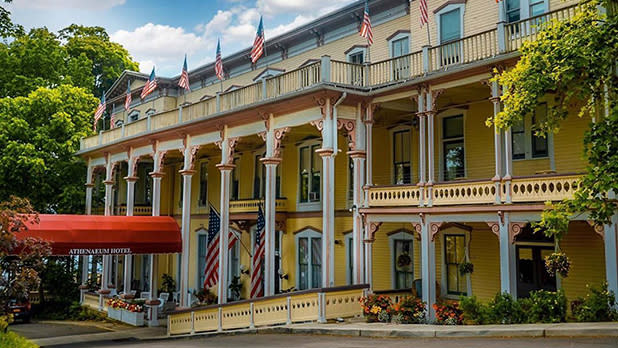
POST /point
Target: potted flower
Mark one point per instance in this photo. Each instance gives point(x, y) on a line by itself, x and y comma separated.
point(409, 310)
point(559, 263)
point(376, 308)
point(114, 308)
point(133, 314)
point(448, 313)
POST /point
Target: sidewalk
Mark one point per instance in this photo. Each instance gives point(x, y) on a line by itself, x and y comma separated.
point(392, 330)
point(114, 333)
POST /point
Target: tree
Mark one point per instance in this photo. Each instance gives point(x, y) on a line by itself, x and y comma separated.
point(107, 59)
point(20, 258)
point(39, 135)
point(574, 62)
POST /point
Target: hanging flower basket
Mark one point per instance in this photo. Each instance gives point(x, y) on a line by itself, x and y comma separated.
point(466, 268)
point(557, 263)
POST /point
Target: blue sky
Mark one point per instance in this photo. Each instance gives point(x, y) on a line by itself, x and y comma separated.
point(160, 32)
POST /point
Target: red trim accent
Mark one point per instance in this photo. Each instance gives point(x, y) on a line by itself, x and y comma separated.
point(98, 235)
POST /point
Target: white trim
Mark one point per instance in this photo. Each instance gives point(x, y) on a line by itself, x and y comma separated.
point(201, 162)
point(401, 235)
point(308, 233)
point(446, 9)
point(442, 235)
point(268, 73)
point(356, 50)
point(440, 130)
point(235, 251)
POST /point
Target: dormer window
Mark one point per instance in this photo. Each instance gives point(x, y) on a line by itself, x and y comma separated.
point(133, 116)
point(151, 112)
point(267, 73)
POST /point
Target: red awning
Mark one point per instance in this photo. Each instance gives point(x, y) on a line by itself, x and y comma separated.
point(107, 235)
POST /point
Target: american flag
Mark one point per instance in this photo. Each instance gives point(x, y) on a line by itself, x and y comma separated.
point(258, 43)
point(99, 111)
point(365, 30)
point(257, 276)
point(112, 121)
point(219, 62)
point(211, 271)
point(150, 85)
point(128, 99)
point(184, 77)
point(424, 15)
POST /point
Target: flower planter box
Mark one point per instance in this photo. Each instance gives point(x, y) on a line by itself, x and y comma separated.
point(115, 314)
point(133, 318)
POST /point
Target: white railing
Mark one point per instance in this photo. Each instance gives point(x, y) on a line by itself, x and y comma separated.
point(349, 74)
point(309, 305)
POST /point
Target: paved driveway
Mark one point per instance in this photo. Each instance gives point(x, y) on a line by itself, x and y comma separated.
point(307, 341)
point(44, 330)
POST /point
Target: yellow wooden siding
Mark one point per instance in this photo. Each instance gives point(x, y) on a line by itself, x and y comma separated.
point(585, 249)
point(485, 256)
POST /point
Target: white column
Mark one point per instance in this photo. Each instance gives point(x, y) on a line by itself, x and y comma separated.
point(507, 257)
point(226, 170)
point(156, 175)
point(225, 167)
point(428, 267)
point(357, 156)
point(368, 256)
point(84, 259)
point(611, 254)
point(187, 174)
point(430, 113)
point(369, 145)
point(128, 259)
point(422, 132)
point(327, 153)
point(508, 163)
point(269, 227)
point(109, 186)
point(495, 99)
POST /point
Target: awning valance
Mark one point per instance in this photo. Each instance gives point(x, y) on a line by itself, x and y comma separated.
point(107, 235)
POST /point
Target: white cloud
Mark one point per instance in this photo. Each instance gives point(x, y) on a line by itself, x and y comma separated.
point(162, 44)
point(67, 4)
point(297, 22)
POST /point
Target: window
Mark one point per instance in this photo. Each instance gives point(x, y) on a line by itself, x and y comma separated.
point(233, 263)
point(513, 11)
point(309, 246)
point(310, 170)
point(450, 31)
point(133, 116)
point(525, 143)
point(537, 7)
point(259, 179)
point(203, 197)
point(403, 263)
point(202, 247)
point(350, 179)
point(355, 72)
point(150, 112)
point(143, 194)
point(234, 181)
point(400, 47)
point(453, 147)
point(401, 157)
point(454, 255)
point(349, 244)
point(145, 273)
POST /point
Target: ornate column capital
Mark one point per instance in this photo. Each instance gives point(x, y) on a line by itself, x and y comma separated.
point(357, 154)
point(224, 166)
point(349, 130)
point(324, 152)
point(271, 160)
point(372, 228)
point(515, 228)
point(598, 229)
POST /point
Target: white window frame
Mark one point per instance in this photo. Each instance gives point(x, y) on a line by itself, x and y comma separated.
point(308, 233)
point(355, 51)
point(438, 130)
point(454, 230)
point(400, 235)
point(307, 206)
point(528, 156)
point(446, 9)
point(399, 65)
point(233, 252)
point(200, 232)
point(203, 162)
point(397, 38)
point(133, 116)
point(392, 153)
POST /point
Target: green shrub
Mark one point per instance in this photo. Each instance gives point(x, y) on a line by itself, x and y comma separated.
point(474, 312)
point(10, 339)
point(85, 313)
point(598, 305)
point(545, 306)
point(504, 309)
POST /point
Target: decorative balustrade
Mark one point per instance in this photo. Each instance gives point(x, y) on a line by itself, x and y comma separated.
point(350, 74)
point(528, 189)
point(138, 210)
point(504, 38)
point(308, 305)
point(550, 188)
point(528, 29)
point(242, 96)
point(294, 80)
point(251, 205)
point(464, 193)
point(91, 300)
point(396, 69)
point(386, 196)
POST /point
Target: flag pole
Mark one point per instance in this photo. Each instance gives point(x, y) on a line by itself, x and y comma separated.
point(428, 36)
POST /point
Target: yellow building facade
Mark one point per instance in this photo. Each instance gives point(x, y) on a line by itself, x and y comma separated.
point(372, 164)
